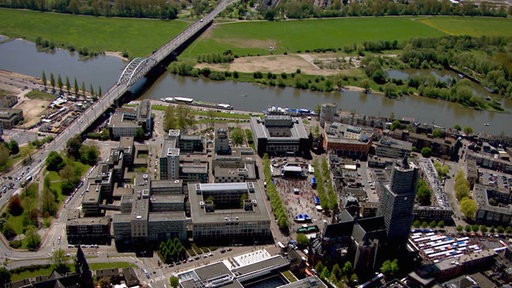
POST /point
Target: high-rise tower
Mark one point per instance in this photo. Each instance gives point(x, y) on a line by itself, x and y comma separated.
point(397, 202)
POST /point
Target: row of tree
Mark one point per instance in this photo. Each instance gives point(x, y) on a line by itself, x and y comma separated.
point(119, 8)
point(468, 205)
point(308, 9)
point(67, 84)
point(276, 202)
point(225, 57)
point(336, 275)
point(484, 229)
point(432, 224)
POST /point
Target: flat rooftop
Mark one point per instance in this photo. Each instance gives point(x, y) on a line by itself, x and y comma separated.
point(259, 211)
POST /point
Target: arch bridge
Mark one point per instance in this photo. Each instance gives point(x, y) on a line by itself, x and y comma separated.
point(135, 70)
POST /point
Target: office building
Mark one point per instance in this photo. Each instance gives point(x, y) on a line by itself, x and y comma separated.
point(228, 212)
point(347, 140)
point(397, 201)
point(327, 113)
point(280, 134)
point(222, 142)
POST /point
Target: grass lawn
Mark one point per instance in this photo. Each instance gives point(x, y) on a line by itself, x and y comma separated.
point(36, 94)
point(473, 26)
point(291, 36)
point(16, 223)
point(29, 201)
point(139, 37)
point(47, 271)
point(55, 182)
point(107, 265)
point(31, 274)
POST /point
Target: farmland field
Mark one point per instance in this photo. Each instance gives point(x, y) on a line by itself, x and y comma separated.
point(473, 26)
point(139, 37)
point(292, 36)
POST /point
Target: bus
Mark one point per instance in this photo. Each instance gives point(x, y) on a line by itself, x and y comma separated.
point(27, 180)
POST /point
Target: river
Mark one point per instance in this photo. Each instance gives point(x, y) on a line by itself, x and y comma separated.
point(22, 57)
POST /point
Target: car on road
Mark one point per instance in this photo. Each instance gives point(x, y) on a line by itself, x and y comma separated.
point(223, 251)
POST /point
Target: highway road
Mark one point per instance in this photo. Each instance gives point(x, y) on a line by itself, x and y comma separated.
point(22, 172)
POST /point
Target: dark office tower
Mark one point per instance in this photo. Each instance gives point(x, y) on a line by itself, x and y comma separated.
point(397, 202)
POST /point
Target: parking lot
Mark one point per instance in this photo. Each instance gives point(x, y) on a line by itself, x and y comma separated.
point(495, 179)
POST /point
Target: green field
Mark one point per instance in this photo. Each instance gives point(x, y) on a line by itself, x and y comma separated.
point(139, 37)
point(473, 26)
point(291, 36)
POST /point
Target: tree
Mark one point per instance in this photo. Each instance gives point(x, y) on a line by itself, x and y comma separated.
point(468, 130)
point(175, 281)
point(389, 267)
point(59, 83)
point(457, 127)
point(58, 261)
point(395, 125)
point(15, 206)
point(365, 84)
point(237, 136)
point(99, 91)
point(43, 79)
point(347, 268)
point(302, 239)
point(32, 238)
point(83, 88)
point(416, 223)
point(52, 81)
point(4, 157)
point(68, 85)
point(74, 7)
point(336, 270)
point(91, 90)
point(73, 147)
point(89, 154)
point(461, 186)
point(139, 134)
point(459, 228)
point(5, 275)
point(437, 133)
point(468, 206)
point(440, 224)
point(75, 87)
point(13, 147)
point(54, 161)
point(325, 273)
point(424, 194)
point(426, 152)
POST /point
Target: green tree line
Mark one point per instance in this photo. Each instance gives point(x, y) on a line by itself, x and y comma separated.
point(118, 8)
point(307, 9)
